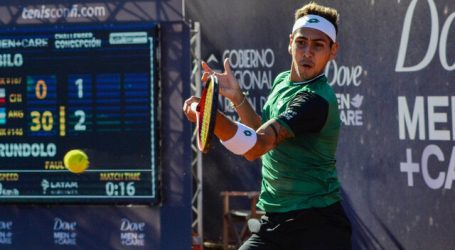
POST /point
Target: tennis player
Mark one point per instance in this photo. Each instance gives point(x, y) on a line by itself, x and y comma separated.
point(296, 138)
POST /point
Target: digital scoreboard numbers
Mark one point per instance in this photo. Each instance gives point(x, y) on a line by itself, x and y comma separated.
point(90, 88)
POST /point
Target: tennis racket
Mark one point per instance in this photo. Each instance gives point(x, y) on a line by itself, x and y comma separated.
point(206, 113)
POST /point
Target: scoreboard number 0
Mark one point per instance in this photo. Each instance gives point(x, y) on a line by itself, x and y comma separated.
point(41, 89)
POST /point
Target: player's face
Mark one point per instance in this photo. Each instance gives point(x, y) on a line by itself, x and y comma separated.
point(311, 50)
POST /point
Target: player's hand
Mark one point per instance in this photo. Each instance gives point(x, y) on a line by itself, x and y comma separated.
point(190, 112)
point(229, 87)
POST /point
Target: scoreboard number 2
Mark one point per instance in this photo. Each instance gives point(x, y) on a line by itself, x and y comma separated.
point(80, 126)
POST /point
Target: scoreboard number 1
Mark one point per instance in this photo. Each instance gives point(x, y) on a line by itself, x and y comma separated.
point(80, 88)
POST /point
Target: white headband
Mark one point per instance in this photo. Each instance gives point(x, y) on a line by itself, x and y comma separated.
point(316, 22)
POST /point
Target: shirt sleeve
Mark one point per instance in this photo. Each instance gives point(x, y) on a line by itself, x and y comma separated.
point(306, 113)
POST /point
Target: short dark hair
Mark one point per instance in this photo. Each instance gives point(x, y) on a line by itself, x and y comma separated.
point(313, 8)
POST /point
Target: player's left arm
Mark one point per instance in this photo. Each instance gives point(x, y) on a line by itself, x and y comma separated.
point(269, 135)
point(306, 113)
point(243, 140)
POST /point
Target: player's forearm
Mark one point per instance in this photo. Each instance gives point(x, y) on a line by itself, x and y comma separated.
point(266, 140)
point(251, 149)
point(224, 127)
point(269, 135)
point(247, 114)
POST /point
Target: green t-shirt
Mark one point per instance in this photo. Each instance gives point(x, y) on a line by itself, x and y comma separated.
point(300, 172)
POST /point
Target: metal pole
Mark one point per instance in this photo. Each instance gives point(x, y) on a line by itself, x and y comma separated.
point(197, 200)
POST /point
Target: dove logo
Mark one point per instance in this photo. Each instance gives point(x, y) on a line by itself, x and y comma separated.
point(357, 101)
point(132, 233)
point(65, 232)
point(433, 40)
point(343, 75)
point(350, 112)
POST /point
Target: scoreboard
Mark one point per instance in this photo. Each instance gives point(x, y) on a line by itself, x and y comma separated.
point(78, 87)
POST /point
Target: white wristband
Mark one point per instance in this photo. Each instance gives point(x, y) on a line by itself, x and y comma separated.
point(244, 139)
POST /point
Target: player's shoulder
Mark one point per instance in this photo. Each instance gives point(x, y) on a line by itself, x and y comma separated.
point(283, 76)
point(320, 84)
point(322, 88)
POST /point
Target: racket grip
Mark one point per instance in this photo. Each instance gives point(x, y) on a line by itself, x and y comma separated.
point(193, 106)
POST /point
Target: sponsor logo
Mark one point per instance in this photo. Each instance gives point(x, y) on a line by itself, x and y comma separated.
point(65, 232)
point(428, 119)
point(45, 185)
point(6, 232)
point(349, 102)
point(434, 37)
point(253, 70)
point(59, 187)
point(351, 113)
point(247, 133)
point(75, 11)
point(23, 43)
point(132, 233)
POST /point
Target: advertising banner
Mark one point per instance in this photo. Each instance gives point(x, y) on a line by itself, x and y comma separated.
point(394, 76)
point(91, 11)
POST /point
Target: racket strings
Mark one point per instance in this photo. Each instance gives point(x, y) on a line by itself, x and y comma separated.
point(207, 110)
point(206, 116)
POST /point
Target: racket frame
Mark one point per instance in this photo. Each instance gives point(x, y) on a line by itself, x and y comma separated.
point(207, 120)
